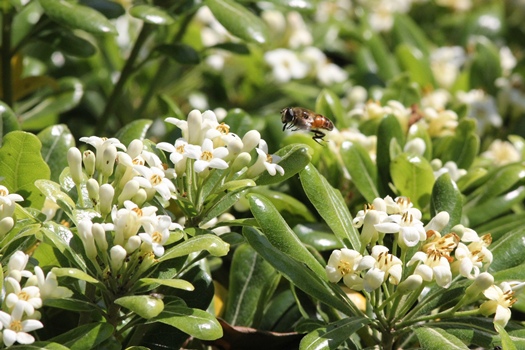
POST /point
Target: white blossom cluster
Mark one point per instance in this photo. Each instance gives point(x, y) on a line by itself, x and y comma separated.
point(439, 258)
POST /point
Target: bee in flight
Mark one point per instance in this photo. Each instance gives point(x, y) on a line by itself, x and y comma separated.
point(298, 118)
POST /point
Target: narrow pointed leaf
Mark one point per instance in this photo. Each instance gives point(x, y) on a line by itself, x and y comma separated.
point(86, 336)
point(78, 16)
point(329, 105)
point(173, 283)
point(294, 158)
point(145, 306)
point(437, 339)
point(56, 141)
point(334, 334)
point(331, 206)
point(361, 169)
point(416, 64)
point(151, 14)
point(137, 129)
point(251, 279)
point(75, 273)
point(280, 234)
point(446, 197)
point(239, 21)
point(413, 177)
point(506, 341)
point(296, 272)
point(22, 165)
point(8, 121)
point(389, 129)
point(483, 213)
point(508, 251)
point(211, 243)
point(462, 147)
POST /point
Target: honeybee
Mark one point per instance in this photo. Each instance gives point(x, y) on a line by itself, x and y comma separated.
point(298, 118)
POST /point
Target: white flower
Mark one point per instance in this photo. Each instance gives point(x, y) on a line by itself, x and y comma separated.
point(154, 178)
point(101, 145)
point(286, 65)
point(48, 285)
point(157, 234)
point(264, 161)
point(28, 297)
point(432, 266)
point(411, 230)
point(456, 5)
point(445, 63)
point(15, 330)
point(7, 202)
point(327, 73)
point(207, 157)
point(117, 255)
point(502, 152)
point(469, 262)
point(450, 168)
point(17, 264)
point(343, 264)
point(481, 107)
point(384, 266)
point(299, 35)
point(501, 298)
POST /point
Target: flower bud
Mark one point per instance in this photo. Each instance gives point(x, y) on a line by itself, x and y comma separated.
point(84, 231)
point(132, 244)
point(250, 140)
point(135, 148)
point(416, 146)
point(108, 160)
point(410, 284)
point(130, 189)
point(438, 222)
point(106, 194)
point(194, 127)
point(369, 233)
point(117, 255)
point(140, 197)
point(6, 224)
point(99, 234)
point(241, 161)
point(89, 161)
point(74, 160)
point(93, 190)
point(482, 282)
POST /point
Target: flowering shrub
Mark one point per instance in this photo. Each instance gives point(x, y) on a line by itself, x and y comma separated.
point(150, 196)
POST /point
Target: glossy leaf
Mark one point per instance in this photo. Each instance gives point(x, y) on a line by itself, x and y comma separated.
point(315, 236)
point(493, 208)
point(69, 43)
point(294, 158)
point(22, 165)
point(252, 282)
point(53, 192)
point(173, 283)
point(413, 177)
point(334, 334)
point(502, 180)
point(8, 122)
point(70, 304)
point(137, 129)
point(295, 271)
point(75, 273)
point(223, 204)
point(417, 65)
point(67, 96)
point(485, 67)
point(446, 197)
point(181, 53)
point(508, 251)
point(436, 339)
point(462, 147)
point(406, 31)
point(297, 5)
point(56, 141)
point(386, 64)
point(280, 234)
point(86, 336)
point(197, 323)
point(151, 14)
point(211, 243)
point(402, 89)
point(329, 105)
point(331, 206)
point(239, 21)
point(389, 129)
point(289, 206)
point(506, 341)
point(146, 306)
point(78, 16)
point(361, 169)
point(501, 226)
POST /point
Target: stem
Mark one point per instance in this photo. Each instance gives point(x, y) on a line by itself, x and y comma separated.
point(7, 83)
point(126, 73)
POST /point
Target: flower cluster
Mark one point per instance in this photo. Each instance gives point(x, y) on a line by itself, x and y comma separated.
point(438, 258)
point(22, 295)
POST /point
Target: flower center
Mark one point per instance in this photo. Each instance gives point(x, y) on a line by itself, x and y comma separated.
point(138, 161)
point(16, 326)
point(180, 149)
point(138, 211)
point(223, 128)
point(269, 158)
point(344, 267)
point(23, 296)
point(3, 193)
point(155, 179)
point(206, 155)
point(156, 237)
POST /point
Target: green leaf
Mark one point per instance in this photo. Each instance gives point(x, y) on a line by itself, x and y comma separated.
point(197, 323)
point(313, 235)
point(406, 31)
point(446, 197)
point(181, 53)
point(252, 282)
point(296, 272)
point(78, 17)
point(334, 334)
point(75, 273)
point(461, 148)
point(298, 5)
point(67, 96)
point(39, 345)
point(86, 336)
point(289, 206)
point(416, 64)
point(56, 141)
point(293, 159)
point(485, 67)
point(151, 14)
point(386, 66)
point(238, 20)
point(331, 206)
point(211, 243)
point(488, 210)
point(8, 122)
point(329, 105)
point(53, 192)
point(506, 341)
point(137, 129)
point(437, 339)
point(388, 130)
point(413, 177)
point(280, 234)
point(145, 306)
point(69, 43)
point(508, 251)
point(401, 88)
point(70, 304)
point(361, 168)
point(21, 164)
point(501, 180)
point(173, 283)
point(225, 202)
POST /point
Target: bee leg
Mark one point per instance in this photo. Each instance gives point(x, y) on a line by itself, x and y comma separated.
point(318, 135)
point(285, 125)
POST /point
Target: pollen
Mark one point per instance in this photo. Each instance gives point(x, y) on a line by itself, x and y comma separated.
point(3, 193)
point(269, 158)
point(344, 267)
point(156, 237)
point(180, 149)
point(138, 211)
point(155, 179)
point(16, 326)
point(223, 128)
point(23, 296)
point(138, 161)
point(206, 155)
